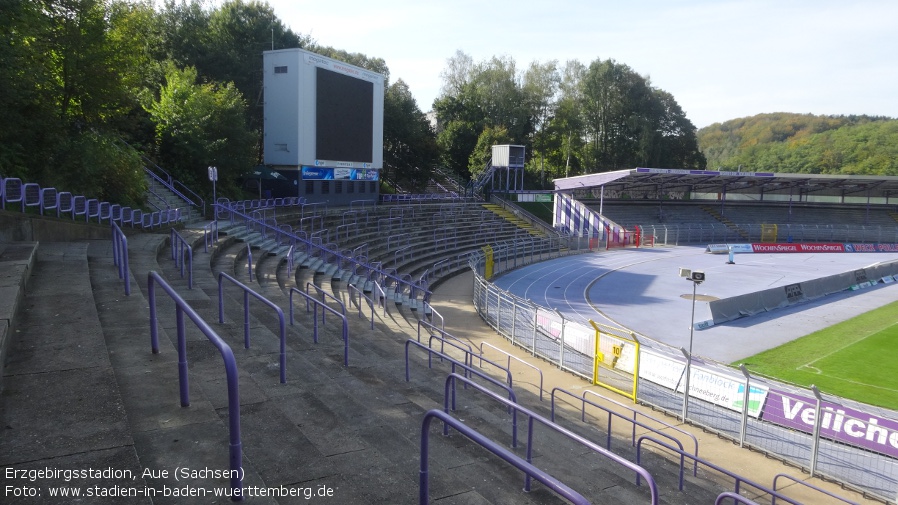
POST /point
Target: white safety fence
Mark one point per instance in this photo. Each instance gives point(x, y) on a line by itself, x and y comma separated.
point(850, 442)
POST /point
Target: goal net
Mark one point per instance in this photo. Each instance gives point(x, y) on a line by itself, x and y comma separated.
point(768, 233)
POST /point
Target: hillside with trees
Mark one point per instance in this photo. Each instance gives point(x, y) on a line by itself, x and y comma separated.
point(574, 119)
point(803, 143)
point(94, 90)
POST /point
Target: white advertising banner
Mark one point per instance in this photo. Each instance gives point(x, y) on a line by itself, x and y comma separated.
point(722, 390)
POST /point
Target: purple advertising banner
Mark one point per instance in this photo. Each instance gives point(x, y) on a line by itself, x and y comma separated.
point(838, 422)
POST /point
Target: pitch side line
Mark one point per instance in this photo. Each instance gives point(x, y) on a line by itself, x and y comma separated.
point(840, 349)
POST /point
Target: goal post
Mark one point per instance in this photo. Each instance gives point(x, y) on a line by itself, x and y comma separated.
point(616, 360)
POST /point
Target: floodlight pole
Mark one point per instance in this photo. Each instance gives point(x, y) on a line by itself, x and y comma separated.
point(689, 353)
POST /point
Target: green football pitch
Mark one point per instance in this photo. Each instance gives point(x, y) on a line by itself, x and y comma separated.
point(855, 359)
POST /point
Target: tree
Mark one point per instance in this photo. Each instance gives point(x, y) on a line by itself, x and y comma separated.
point(410, 148)
point(482, 153)
point(27, 103)
point(238, 33)
point(477, 97)
point(804, 143)
point(198, 125)
point(541, 83)
point(457, 74)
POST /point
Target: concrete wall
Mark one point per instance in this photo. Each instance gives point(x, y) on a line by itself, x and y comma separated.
point(18, 227)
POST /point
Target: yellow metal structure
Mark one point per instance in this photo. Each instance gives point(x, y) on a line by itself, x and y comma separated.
point(616, 360)
point(488, 262)
point(768, 233)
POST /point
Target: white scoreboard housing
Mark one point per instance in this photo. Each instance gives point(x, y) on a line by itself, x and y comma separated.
point(320, 112)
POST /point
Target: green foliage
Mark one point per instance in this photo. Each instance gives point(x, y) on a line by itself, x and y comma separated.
point(804, 143)
point(457, 141)
point(575, 119)
point(410, 148)
point(483, 150)
point(97, 165)
point(198, 125)
point(25, 102)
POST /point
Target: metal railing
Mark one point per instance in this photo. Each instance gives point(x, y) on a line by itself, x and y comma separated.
point(738, 479)
point(320, 251)
point(30, 194)
point(120, 256)
point(324, 307)
point(454, 363)
point(179, 249)
point(529, 469)
point(807, 485)
point(608, 430)
point(247, 291)
point(512, 357)
point(865, 463)
point(352, 291)
point(230, 363)
point(737, 498)
point(323, 297)
point(533, 417)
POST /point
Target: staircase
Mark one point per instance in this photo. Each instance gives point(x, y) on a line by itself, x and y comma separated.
point(515, 220)
point(726, 222)
point(80, 363)
point(161, 195)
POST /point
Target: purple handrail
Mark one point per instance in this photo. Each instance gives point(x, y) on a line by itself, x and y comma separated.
point(317, 250)
point(210, 234)
point(612, 413)
point(508, 364)
point(635, 413)
point(324, 307)
point(683, 454)
point(453, 377)
point(640, 471)
point(120, 256)
point(352, 289)
point(424, 482)
point(179, 246)
point(324, 294)
point(737, 498)
point(280, 313)
point(806, 484)
point(182, 307)
point(470, 355)
point(249, 261)
point(454, 362)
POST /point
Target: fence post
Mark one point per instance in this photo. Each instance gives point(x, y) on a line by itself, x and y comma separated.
point(745, 398)
point(815, 447)
point(561, 342)
point(514, 318)
point(535, 324)
point(486, 301)
point(499, 311)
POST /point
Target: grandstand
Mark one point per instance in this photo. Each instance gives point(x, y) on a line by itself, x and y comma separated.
point(333, 374)
point(694, 206)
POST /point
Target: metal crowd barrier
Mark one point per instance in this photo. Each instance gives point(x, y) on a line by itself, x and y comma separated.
point(247, 291)
point(120, 256)
point(230, 363)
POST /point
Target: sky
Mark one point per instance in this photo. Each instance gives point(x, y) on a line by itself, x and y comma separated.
point(720, 59)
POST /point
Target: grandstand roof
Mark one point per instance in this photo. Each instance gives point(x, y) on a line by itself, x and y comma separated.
point(753, 183)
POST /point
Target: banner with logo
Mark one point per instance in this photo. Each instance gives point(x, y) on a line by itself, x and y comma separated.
point(837, 422)
point(716, 388)
point(340, 174)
